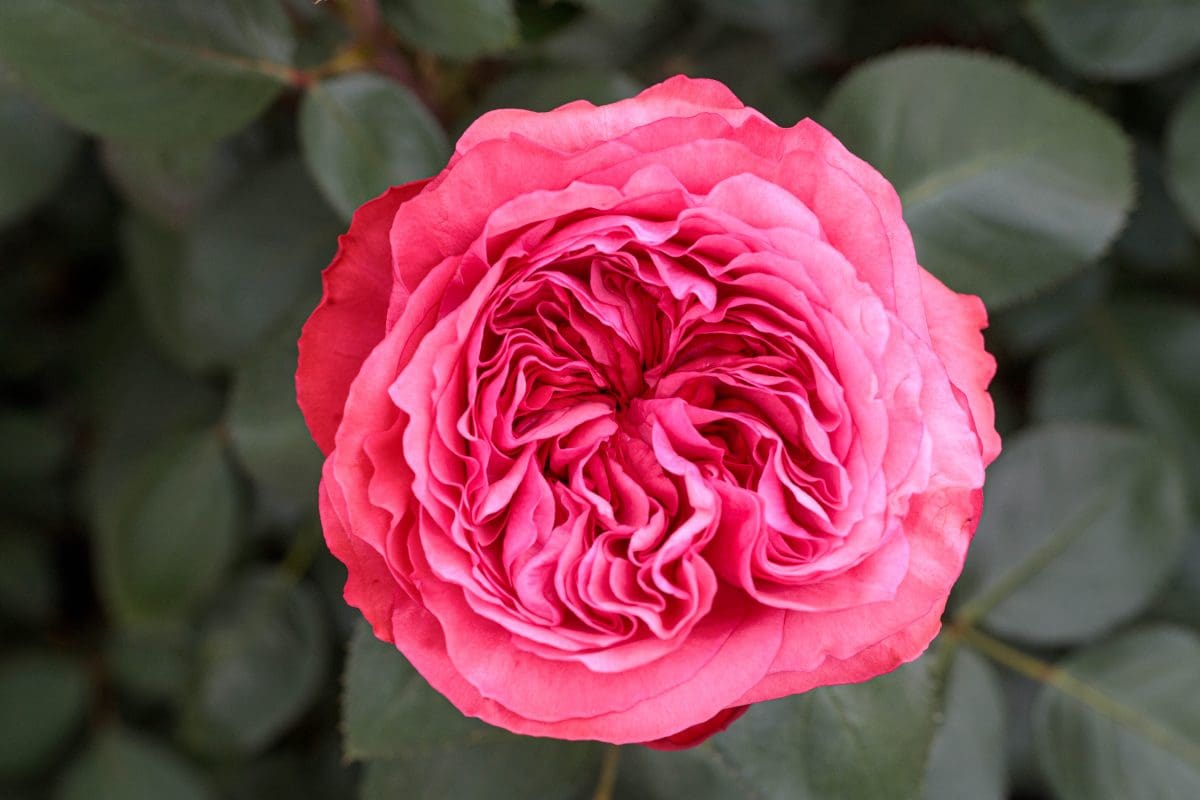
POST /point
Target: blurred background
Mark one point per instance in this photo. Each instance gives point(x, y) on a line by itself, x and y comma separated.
point(173, 177)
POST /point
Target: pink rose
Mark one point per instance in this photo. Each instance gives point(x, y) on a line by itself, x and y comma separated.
point(639, 414)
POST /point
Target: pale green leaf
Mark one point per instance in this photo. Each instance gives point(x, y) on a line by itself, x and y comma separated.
point(1121, 720)
point(363, 133)
point(1071, 512)
point(1008, 183)
point(149, 71)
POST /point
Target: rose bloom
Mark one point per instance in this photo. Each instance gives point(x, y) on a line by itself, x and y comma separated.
point(638, 414)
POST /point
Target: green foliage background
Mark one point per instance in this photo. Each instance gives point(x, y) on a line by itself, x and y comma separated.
point(173, 177)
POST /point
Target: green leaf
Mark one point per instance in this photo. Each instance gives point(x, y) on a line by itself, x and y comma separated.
point(169, 184)
point(1008, 183)
point(967, 759)
point(418, 743)
point(1072, 512)
point(458, 29)
point(36, 151)
point(1119, 39)
point(1125, 366)
point(153, 260)
point(151, 666)
point(135, 400)
point(865, 741)
point(363, 133)
point(43, 699)
point(123, 765)
point(1180, 602)
point(148, 71)
point(1158, 242)
point(1122, 719)
point(266, 427)
point(803, 31)
point(1030, 326)
point(310, 771)
point(28, 584)
point(1024, 776)
point(168, 533)
point(263, 656)
point(389, 710)
point(517, 766)
point(1183, 156)
point(250, 261)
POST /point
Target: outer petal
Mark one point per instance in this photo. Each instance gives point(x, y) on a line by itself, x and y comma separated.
point(349, 322)
point(858, 644)
point(370, 586)
point(692, 702)
point(577, 125)
point(884, 656)
point(690, 737)
point(955, 324)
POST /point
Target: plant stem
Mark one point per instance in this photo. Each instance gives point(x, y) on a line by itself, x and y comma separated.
point(1064, 681)
point(608, 773)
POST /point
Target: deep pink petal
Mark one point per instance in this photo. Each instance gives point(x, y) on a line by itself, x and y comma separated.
point(349, 322)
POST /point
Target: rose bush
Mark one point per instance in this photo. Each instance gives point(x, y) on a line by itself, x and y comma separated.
point(638, 414)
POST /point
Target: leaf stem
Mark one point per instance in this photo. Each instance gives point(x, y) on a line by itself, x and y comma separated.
point(608, 773)
point(1086, 693)
point(1002, 653)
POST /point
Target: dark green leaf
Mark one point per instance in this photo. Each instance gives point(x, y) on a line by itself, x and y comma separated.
point(806, 30)
point(1126, 365)
point(517, 766)
point(1008, 183)
point(363, 133)
point(1024, 775)
point(1122, 719)
point(1183, 156)
point(1030, 326)
point(1072, 512)
point(459, 29)
point(265, 425)
point(295, 773)
point(304, 771)
point(122, 765)
point(862, 741)
point(263, 656)
point(1119, 39)
point(1180, 602)
point(151, 666)
point(43, 699)
point(154, 261)
point(148, 71)
point(28, 585)
point(1158, 242)
point(390, 712)
point(170, 185)
point(967, 759)
point(36, 151)
point(135, 400)
point(252, 260)
point(168, 533)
